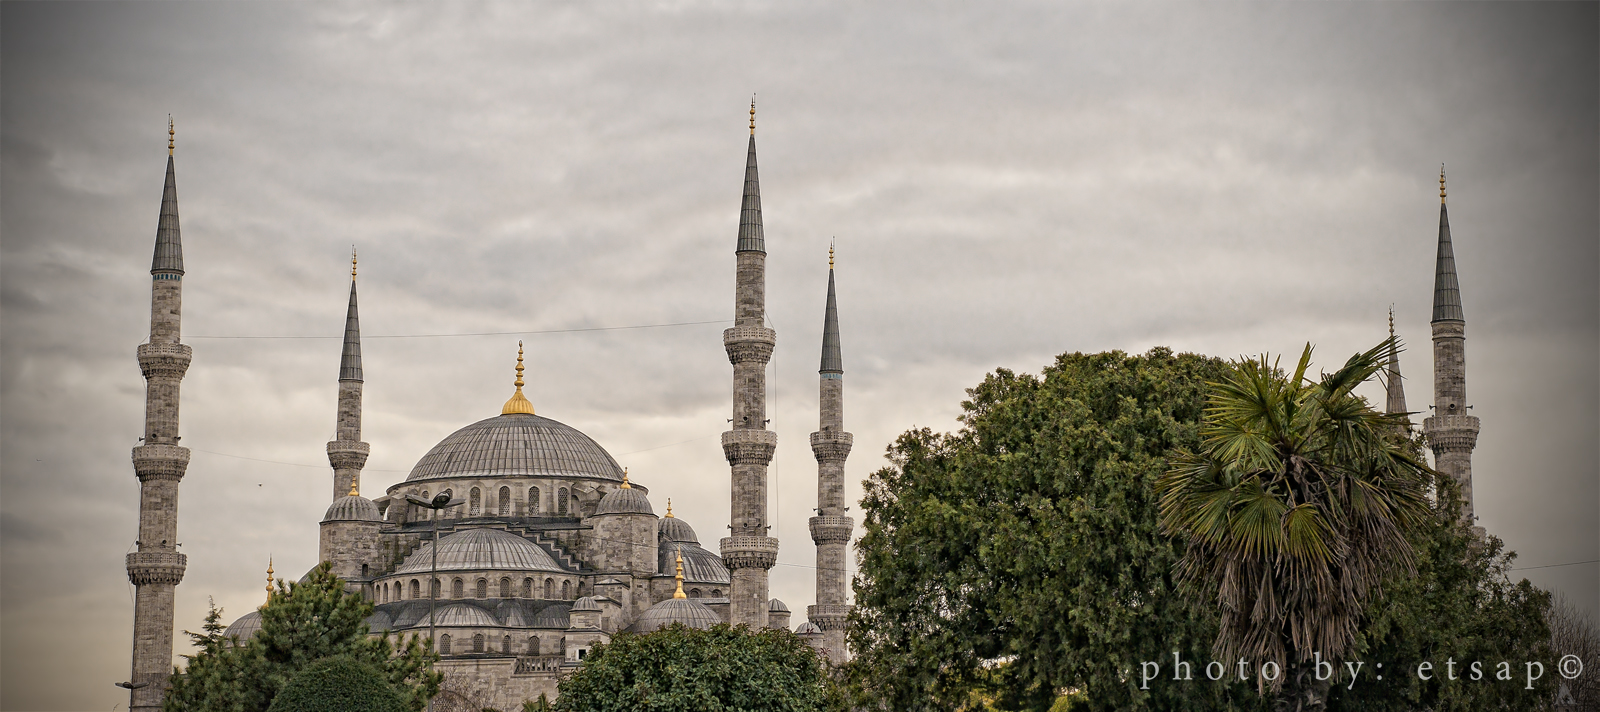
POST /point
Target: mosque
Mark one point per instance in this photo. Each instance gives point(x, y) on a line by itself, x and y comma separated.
point(548, 547)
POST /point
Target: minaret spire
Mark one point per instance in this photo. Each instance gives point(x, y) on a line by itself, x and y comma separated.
point(346, 452)
point(1395, 387)
point(749, 553)
point(831, 529)
point(155, 568)
point(1452, 434)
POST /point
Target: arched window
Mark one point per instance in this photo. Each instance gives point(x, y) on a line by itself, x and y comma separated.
point(533, 501)
point(458, 589)
point(438, 588)
point(477, 642)
point(566, 590)
point(475, 502)
point(527, 588)
point(561, 501)
point(505, 588)
point(716, 593)
point(423, 513)
point(505, 645)
point(549, 588)
point(444, 644)
point(483, 588)
point(505, 501)
point(366, 571)
point(416, 589)
point(533, 645)
point(694, 593)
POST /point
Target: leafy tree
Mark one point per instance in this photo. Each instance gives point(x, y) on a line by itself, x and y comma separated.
point(1021, 554)
point(337, 684)
point(1295, 509)
point(682, 668)
point(301, 623)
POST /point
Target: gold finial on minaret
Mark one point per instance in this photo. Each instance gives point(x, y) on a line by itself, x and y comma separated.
point(830, 254)
point(679, 593)
point(1441, 183)
point(752, 114)
point(1391, 321)
point(518, 403)
point(269, 582)
point(625, 484)
point(172, 134)
point(352, 263)
point(669, 507)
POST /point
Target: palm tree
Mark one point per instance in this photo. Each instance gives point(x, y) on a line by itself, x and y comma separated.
point(1295, 511)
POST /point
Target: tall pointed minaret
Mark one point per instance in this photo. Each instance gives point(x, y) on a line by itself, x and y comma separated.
point(831, 529)
point(156, 567)
point(346, 453)
point(748, 552)
point(1395, 385)
point(1452, 434)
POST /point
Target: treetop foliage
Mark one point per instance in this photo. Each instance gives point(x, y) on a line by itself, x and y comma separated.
point(338, 684)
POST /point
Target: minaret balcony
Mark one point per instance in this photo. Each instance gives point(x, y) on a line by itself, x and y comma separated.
point(749, 446)
point(831, 530)
point(749, 552)
point(348, 454)
point(159, 360)
point(831, 445)
point(746, 344)
point(160, 462)
point(828, 617)
point(146, 567)
point(1451, 433)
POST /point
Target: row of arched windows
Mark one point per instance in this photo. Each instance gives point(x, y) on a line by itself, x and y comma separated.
point(479, 641)
point(397, 590)
point(503, 505)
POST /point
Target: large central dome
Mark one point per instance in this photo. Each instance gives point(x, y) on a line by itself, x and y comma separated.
point(517, 444)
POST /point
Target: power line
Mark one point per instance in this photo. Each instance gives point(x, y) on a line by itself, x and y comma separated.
point(481, 333)
point(1551, 566)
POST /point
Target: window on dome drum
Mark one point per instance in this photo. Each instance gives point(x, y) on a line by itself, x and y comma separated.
point(533, 501)
point(716, 593)
point(505, 645)
point(533, 645)
point(549, 588)
point(527, 588)
point(561, 501)
point(421, 512)
point(566, 590)
point(416, 589)
point(458, 589)
point(694, 593)
point(475, 502)
point(505, 501)
point(444, 644)
point(477, 643)
point(438, 588)
point(483, 588)
point(505, 588)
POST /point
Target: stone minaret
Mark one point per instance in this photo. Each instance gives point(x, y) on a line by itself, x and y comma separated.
point(749, 553)
point(1394, 385)
point(156, 567)
point(830, 529)
point(346, 453)
point(1452, 434)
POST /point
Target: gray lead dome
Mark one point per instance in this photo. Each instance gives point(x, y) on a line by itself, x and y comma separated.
point(687, 611)
point(626, 500)
point(516, 445)
point(352, 508)
point(481, 549)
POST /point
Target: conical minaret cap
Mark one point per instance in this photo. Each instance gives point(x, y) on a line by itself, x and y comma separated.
point(832, 357)
point(1394, 388)
point(750, 236)
point(169, 242)
point(350, 360)
point(1446, 290)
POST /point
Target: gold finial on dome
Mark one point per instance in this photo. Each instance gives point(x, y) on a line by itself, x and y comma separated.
point(679, 593)
point(354, 492)
point(625, 484)
point(172, 134)
point(752, 114)
point(1441, 183)
point(669, 507)
point(518, 403)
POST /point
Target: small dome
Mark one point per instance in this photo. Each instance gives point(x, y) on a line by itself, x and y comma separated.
point(518, 444)
point(587, 603)
point(699, 565)
point(675, 529)
point(776, 606)
point(687, 611)
point(476, 549)
point(460, 615)
point(807, 628)
point(625, 500)
point(245, 628)
point(352, 508)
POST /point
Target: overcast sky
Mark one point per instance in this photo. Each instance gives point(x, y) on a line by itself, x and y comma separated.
point(1006, 183)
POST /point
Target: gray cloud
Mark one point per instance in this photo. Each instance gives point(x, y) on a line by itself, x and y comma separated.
point(1004, 186)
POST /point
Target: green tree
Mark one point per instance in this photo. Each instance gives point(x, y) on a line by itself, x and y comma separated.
point(682, 668)
point(300, 624)
point(1296, 507)
point(338, 684)
point(1021, 554)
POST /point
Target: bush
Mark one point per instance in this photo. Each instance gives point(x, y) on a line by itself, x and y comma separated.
point(338, 684)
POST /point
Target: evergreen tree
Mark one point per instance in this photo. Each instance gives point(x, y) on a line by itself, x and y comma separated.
point(301, 624)
point(338, 684)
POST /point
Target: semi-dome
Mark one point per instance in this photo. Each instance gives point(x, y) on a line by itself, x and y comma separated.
point(462, 615)
point(699, 565)
point(478, 549)
point(516, 444)
point(777, 606)
point(587, 603)
point(245, 628)
point(352, 508)
point(687, 611)
point(625, 500)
